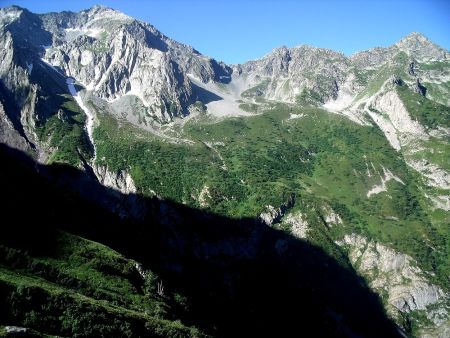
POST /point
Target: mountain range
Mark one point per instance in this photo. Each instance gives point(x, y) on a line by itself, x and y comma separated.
point(329, 171)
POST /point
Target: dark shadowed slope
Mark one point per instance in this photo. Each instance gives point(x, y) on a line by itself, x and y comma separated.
point(238, 277)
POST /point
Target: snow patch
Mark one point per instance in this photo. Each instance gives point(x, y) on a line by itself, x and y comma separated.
point(90, 116)
point(92, 32)
point(87, 57)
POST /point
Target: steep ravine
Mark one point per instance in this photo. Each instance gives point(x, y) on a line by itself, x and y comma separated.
point(89, 115)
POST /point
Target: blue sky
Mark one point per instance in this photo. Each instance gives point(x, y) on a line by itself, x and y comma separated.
point(236, 31)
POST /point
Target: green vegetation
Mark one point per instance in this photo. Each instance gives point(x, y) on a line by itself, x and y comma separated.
point(429, 113)
point(309, 97)
point(237, 167)
point(200, 106)
point(82, 288)
point(435, 65)
point(101, 45)
point(257, 90)
point(438, 92)
point(397, 67)
point(65, 132)
point(363, 76)
point(59, 122)
point(249, 107)
point(249, 163)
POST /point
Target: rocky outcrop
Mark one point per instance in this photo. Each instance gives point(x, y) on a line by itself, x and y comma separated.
point(388, 111)
point(331, 217)
point(111, 54)
point(396, 80)
point(298, 224)
point(287, 72)
point(390, 103)
point(272, 215)
point(411, 68)
point(415, 45)
point(14, 331)
point(387, 176)
point(122, 196)
point(419, 88)
point(140, 270)
point(434, 175)
point(125, 61)
point(120, 181)
point(396, 277)
point(9, 135)
point(204, 197)
point(420, 48)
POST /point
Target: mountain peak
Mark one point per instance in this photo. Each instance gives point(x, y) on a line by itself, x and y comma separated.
point(104, 12)
point(415, 37)
point(419, 46)
point(101, 8)
point(282, 50)
point(11, 13)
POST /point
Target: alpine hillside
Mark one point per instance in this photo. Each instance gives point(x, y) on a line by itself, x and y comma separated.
point(303, 193)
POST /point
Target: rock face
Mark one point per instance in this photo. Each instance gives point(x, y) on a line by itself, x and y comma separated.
point(9, 135)
point(120, 181)
point(204, 197)
point(415, 45)
point(330, 217)
point(122, 196)
point(273, 215)
point(419, 88)
point(390, 103)
point(111, 54)
point(286, 73)
point(298, 224)
point(421, 48)
point(16, 330)
point(396, 274)
point(387, 176)
point(114, 55)
point(434, 176)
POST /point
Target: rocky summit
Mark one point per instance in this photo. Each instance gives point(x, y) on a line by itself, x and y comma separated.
point(150, 190)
